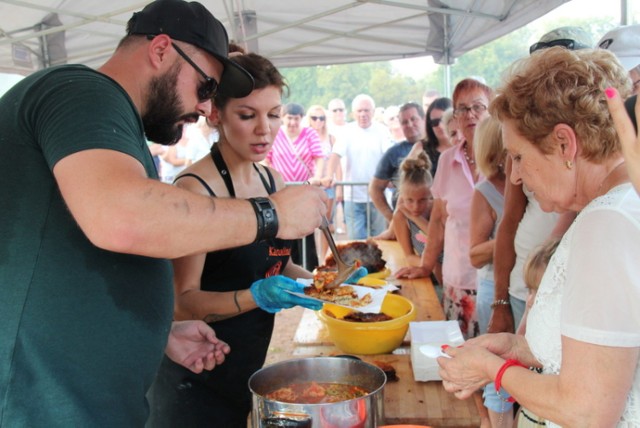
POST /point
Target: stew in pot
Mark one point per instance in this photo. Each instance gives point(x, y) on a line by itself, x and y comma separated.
point(316, 393)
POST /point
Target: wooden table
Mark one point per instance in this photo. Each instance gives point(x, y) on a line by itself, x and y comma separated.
point(406, 401)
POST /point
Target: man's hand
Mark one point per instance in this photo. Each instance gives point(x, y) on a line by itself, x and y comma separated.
point(377, 186)
point(194, 345)
point(300, 210)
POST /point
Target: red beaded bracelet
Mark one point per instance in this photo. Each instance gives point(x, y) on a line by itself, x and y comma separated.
point(498, 381)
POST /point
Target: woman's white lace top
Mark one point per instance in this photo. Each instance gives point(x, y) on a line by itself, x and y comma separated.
point(591, 289)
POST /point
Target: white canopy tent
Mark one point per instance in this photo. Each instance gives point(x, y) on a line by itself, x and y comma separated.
point(40, 33)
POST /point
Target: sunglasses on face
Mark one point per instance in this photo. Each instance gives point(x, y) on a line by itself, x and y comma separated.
point(436, 122)
point(207, 89)
point(567, 43)
point(335, 110)
point(320, 118)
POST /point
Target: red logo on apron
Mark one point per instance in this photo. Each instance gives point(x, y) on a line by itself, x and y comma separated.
point(274, 270)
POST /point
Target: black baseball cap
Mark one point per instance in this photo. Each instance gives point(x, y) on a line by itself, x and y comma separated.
point(192, 23)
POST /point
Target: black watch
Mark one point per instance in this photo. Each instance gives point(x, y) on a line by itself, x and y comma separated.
point(266, 217)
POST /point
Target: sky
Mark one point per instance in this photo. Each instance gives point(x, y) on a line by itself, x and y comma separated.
point(416, 67)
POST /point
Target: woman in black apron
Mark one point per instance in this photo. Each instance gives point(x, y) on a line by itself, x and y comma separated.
point(236, 291)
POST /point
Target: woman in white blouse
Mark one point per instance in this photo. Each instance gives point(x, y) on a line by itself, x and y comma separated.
point(584, 327)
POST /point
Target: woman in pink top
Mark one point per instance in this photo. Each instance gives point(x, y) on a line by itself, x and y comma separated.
point(450, 218)
point(297, 154)
point(297, 151)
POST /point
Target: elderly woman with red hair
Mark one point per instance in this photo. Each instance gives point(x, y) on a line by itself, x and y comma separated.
point(449, 224)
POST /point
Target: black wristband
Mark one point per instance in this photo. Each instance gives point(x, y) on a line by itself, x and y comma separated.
point(266, 217)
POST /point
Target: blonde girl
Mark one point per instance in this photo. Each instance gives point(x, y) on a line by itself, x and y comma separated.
point(411, 218)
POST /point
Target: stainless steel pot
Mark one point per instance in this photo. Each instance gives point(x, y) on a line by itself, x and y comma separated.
point(363, 412)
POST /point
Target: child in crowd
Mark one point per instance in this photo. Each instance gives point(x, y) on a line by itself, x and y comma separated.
point(533, 271)
point(411, 218)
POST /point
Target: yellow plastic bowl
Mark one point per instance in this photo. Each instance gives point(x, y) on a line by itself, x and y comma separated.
point(366, 338)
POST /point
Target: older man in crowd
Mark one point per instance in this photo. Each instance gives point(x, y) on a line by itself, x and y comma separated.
point(361, 146)
point(624, 42)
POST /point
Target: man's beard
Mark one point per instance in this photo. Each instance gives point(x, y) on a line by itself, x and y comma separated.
point(163, 110)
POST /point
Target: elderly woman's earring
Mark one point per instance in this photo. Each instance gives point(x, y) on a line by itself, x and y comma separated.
point(569, 164)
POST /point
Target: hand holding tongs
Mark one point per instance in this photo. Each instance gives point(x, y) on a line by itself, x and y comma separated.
point(344, 270)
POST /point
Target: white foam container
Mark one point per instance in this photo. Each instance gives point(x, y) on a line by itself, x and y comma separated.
point(436, 333)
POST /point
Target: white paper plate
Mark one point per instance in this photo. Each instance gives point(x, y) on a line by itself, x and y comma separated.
point(377, 296)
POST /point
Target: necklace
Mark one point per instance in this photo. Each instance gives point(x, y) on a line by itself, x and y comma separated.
point(466, 155)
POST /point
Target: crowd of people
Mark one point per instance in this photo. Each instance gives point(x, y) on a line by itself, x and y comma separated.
point(182, 199)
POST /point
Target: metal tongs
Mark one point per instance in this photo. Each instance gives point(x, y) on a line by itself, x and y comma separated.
point(344, 270)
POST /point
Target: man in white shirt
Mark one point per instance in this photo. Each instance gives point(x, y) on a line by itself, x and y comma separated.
point(361, 145)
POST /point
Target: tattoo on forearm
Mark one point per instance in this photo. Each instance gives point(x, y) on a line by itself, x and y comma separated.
point(219, 317)
point(235, 300)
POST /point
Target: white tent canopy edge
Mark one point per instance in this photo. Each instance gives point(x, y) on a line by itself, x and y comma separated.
point(40, 33)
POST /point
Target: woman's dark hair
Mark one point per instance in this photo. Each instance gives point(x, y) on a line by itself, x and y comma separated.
point(440, 104)
point(431, 144)
point(262, 70)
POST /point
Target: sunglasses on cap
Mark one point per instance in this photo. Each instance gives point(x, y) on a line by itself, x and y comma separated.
point(567, 43)
point(207, 89)
point(320, 118)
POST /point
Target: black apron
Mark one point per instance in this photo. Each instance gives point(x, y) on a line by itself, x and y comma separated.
point(221, 397)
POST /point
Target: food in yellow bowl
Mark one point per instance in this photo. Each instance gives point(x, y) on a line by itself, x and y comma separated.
point(366, 338)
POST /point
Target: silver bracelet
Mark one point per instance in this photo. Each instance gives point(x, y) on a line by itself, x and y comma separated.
point(501, 302)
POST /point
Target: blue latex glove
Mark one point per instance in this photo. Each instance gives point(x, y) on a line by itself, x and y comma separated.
point(355, 277)
point(270, 296)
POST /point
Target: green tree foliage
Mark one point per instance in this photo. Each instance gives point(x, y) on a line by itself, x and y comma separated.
point(318, 85)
